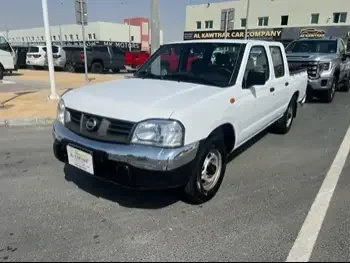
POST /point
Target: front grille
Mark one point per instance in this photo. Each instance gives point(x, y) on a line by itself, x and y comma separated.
point(100, 128)
point(311, 67)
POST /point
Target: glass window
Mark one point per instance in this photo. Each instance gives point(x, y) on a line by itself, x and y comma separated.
point(314, 18)
point(4, 45)
point(312, 46)
point(209, 24)
point(257, 61)
point(199, 24)
point(263, 21)
point(100, 49)
point(277, 60)
point(54, 49)
point(243, 22)
point(33, 50)
point(117, 50)
point(214, 64)
point(284, 20)
point(339, 17)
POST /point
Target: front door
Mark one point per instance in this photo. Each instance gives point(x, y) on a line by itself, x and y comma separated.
point(255, 102)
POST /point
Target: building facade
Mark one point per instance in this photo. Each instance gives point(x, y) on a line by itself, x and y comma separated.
point(282, 20)
point(95, 33)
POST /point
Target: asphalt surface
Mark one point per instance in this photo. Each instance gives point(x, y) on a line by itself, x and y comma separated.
point(49, 212)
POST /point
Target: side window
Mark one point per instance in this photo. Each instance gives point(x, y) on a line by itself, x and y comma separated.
point(117, 50)
point(257, 61)
point(100, 49)
point(342, 47)
point(277, 60)
point(4, 46)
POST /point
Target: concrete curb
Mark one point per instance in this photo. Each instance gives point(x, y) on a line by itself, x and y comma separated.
point(30, 122)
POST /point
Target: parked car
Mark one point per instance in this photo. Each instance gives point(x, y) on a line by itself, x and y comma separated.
point(135, 59)
point(37, 58)
point(6, 57)
point(156, 131)
point(327, 64)
point(101, 58)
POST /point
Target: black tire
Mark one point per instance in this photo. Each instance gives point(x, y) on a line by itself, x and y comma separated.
point(97, 67)
point(346, 86)
point(116, 70)
point(196, 191)
point(69, 67)
point(2, 72)
point(283, 125)
point(328, 95)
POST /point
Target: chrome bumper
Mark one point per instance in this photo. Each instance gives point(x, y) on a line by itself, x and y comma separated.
point(317, 84)
point(139, 156)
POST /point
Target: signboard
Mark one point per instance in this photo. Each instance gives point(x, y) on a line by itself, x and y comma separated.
point(121, 45)
point(81, 12)
point(312, 33)
point(273, 33)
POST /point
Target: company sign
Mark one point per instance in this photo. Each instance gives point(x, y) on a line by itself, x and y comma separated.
point(234, 34)
point(312, 33)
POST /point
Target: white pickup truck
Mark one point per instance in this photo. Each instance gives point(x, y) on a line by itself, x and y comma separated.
point(175, 127)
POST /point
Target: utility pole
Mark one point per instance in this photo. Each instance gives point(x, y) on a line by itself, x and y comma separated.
point(53, 95)
point(246, 20)
point(129, 33)
point(7, 32)
point(226, 23)
point(81, 19)
point(60, 27)
point(155, 25)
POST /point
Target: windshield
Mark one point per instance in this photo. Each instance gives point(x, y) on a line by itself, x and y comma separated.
point(313, 46)
point(214, 64)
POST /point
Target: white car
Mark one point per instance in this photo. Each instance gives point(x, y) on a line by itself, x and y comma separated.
point(37, 58)
point(153, 131)
point(6, 57)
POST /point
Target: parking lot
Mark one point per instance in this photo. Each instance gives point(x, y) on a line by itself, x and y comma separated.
point(49, 212)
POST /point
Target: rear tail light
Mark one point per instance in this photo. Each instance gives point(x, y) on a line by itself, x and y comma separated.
point(36, 56)
point(56, 56)
point(82, 57)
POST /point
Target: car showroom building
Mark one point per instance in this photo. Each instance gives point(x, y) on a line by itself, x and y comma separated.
point(281, 20)
point(97, 33)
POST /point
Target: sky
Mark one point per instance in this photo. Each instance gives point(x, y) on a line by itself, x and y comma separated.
point(19, 14)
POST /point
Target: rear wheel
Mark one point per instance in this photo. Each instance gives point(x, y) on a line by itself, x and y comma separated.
point(283, 125)
point(346, 86)
point(209, 170)
point(116, 70)
point(97, 67)
point(69, 67)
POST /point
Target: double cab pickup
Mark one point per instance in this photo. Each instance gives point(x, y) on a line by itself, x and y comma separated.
point(175, 128)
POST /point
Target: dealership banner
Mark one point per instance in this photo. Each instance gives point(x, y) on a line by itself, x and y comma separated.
point(287, 33)
point(271, 33)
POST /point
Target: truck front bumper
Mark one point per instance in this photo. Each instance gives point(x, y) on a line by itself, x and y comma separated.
point(132, 166)
point(320, 84)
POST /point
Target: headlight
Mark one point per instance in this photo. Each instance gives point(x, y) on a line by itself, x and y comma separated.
point(324, 66)
point(162, 133)
point(61, 109)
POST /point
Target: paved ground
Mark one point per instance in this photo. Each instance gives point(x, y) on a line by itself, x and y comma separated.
point(49, 212)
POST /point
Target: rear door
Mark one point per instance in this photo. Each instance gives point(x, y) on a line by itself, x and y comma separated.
point(118, 59)
point(279, 81)
point(102, 53)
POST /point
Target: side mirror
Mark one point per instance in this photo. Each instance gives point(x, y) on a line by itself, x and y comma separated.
point(255, 78)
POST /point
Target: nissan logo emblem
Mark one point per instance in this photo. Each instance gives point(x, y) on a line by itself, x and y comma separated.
point(91, 124)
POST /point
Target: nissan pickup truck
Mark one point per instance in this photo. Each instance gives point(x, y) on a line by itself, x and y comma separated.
point(327, 64)
point(176, 130)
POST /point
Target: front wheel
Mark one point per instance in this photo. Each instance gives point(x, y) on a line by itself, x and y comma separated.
point(283, 125)
point(209, 171)
point(97, 67)
point(328, 95)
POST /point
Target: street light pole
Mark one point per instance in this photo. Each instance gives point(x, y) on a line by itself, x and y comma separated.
point(129, 34)
point(246, 20)
point(84, 42)
point(155, 25)
point(226, 22)
point(60, 28)
point(53, 95)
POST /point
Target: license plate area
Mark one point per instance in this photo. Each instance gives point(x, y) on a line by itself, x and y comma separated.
point(80, 158)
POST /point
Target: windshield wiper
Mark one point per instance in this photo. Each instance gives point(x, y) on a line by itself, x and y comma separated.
point(190, 77)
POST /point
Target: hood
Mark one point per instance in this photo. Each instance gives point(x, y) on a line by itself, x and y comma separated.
point(137, 99)
point(311, 56)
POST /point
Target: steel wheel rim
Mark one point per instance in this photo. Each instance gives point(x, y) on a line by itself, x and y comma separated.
point(289, 115)
point(211, 170)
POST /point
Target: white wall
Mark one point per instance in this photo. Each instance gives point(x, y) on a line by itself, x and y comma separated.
point(299, 12)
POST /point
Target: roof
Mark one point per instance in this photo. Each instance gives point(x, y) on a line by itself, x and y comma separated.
point(238, 41)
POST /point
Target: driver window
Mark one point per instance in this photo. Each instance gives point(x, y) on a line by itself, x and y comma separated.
point(257, 61)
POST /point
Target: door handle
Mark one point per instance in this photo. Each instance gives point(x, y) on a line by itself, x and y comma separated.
point(272, 89)
point(287, 84)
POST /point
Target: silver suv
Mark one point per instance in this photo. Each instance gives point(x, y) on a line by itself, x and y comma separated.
point(327, 64)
